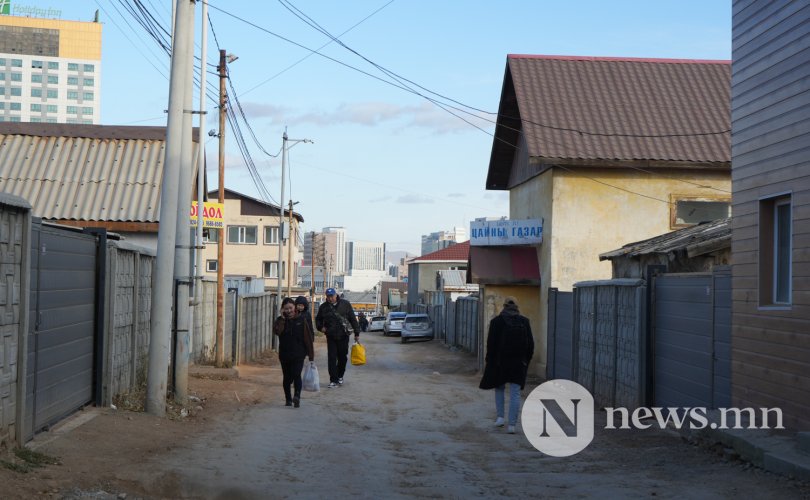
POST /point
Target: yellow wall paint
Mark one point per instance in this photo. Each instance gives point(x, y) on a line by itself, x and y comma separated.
point(583, 218)
point(77, 39)
point(529, 304)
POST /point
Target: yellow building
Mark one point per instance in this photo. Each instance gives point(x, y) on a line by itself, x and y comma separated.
point(252, 231)
point(605, 151)
point(51, 68)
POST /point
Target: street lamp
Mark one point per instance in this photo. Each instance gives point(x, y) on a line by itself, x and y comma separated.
point(280, 264)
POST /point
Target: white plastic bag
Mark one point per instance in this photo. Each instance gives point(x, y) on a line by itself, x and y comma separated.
point(310, 378)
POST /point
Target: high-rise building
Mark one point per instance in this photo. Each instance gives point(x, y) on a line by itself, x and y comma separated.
point(434, 242)
point(50, 69)
point(335, 249)
point(365, 255)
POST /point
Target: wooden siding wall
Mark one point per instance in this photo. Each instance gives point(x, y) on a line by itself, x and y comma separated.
point(770, 145)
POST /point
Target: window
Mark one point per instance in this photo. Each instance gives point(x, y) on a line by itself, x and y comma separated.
point(87, 111)
point(88, 68)
point(15, 106)
point(72, 94)
point(36, 78)
point(775, 251)
point(2, 90)
point(688, 211)
point(89, 82)
point(73, 67)
point(36, 64)
point(16, 77)
point(16, 63)
point(2, 61)
point(271, 235)
point(2, 76)
point(50, 120)
point(2, 105)
point(87, 122)
point(36, 107)
point(211, 265)
point(36, 120)
point(270, 269)
point(16, 91)
point(242, 235)
point(53, 94)
point(51, 108)
point(210, 235)
point(2, 118)
point(87, 96)
point(73, 80)
point(53, 65)
point(72, 110)
point(72, 121)
point(53, 79)
point(14, 119)
point(36, 93)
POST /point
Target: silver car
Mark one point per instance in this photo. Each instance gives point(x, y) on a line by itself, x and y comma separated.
point(394, 322)
point(376, 323)
point(417, 326)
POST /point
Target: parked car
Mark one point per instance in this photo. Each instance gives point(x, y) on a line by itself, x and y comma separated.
point(376, 323)
point(417, 326)
point(393, 324)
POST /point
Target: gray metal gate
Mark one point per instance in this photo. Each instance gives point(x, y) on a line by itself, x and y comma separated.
point(560, 361)
point(692, 340)
point(61, 338)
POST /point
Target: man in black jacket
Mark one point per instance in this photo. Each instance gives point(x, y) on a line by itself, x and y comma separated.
point(336, 319)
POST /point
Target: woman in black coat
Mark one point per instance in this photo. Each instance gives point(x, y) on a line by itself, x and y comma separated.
point(510, 347)
point(294, 344)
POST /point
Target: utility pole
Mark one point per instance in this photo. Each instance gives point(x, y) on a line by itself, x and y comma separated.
point(223, 99)
point(182, 253)
point(161, 324)
point(199, 161)
point(289, 251)
point(280, 264)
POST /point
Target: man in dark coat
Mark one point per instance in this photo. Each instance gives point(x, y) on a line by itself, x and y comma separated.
point(336, 319)
point(510, 347)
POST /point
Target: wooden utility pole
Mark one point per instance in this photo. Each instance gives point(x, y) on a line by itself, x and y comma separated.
point(223, 73)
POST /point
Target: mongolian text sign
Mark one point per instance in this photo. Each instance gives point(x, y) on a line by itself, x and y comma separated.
point(212, 214)
point(506, 232)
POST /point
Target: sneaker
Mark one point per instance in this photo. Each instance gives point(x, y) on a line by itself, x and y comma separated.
point(510, 429)
point(332, 385)
point(499, 422)
point(340, 381)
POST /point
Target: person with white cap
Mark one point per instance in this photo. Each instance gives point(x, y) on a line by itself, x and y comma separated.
point(336, 319)
point(510, 347)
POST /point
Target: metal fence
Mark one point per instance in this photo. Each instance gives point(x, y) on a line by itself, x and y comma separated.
point(609, 341)
point(255, 326)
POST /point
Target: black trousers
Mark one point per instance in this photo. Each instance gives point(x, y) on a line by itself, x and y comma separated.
point(291, 370)
point(338, 351)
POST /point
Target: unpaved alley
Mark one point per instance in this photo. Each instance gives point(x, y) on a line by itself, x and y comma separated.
point(412, 423)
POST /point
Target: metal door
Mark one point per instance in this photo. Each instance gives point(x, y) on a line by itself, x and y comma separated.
point(61, 325)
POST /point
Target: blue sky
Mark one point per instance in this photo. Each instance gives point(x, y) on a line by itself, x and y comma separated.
point(386, 164)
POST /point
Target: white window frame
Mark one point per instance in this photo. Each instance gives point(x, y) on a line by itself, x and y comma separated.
point(242, 235)
point(271, 241)
point(267, 270)
point(211, 265)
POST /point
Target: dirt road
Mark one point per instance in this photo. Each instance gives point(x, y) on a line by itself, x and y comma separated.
point(411, 423)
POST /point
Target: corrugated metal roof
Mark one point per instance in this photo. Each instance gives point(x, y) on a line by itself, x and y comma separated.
point(454, 278)
point(571, 110)
point(84, 172)
point(695, 240)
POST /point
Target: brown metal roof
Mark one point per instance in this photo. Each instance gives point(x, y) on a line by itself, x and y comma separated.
point(610, 111)
point(85, 172)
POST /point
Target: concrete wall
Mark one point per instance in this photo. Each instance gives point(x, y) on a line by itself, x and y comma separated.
point(128, 318)
point(14, 251)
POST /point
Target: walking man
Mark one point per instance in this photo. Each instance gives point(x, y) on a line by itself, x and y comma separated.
point(336, 319)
